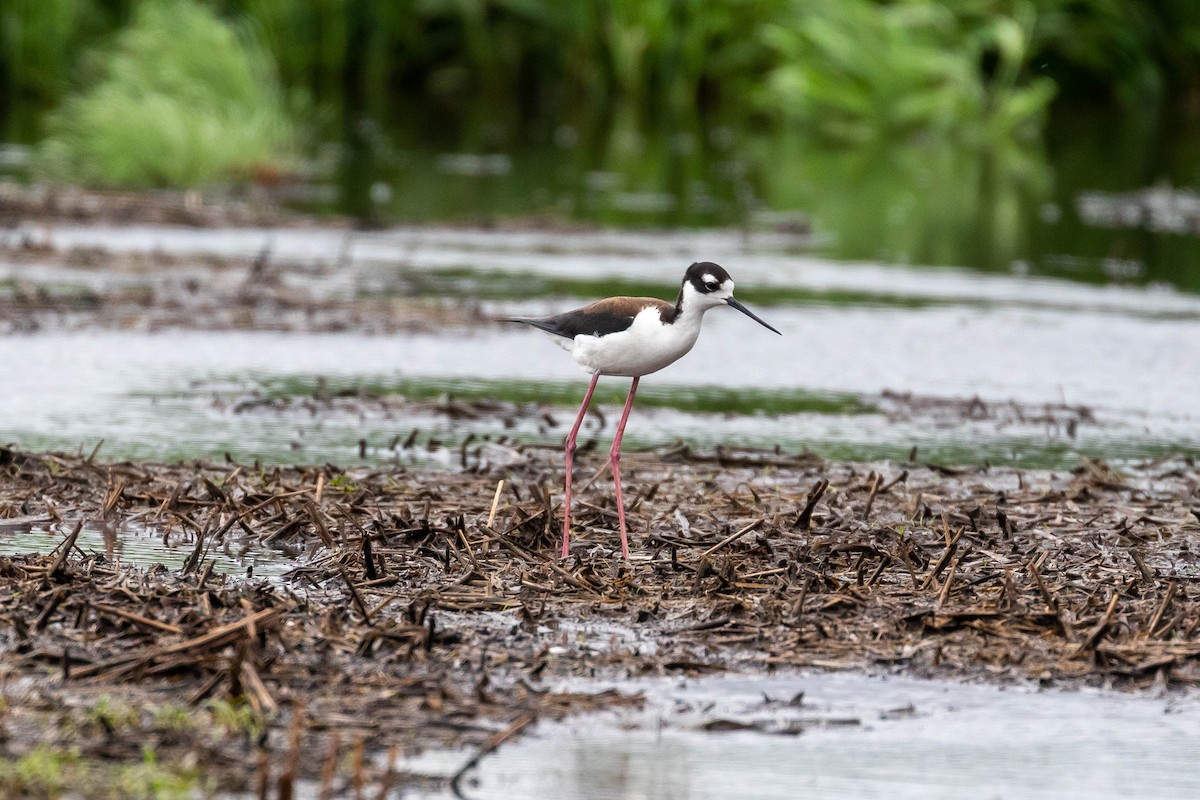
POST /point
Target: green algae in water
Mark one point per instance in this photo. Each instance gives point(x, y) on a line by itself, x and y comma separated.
point(690, 399)
point(290, 433)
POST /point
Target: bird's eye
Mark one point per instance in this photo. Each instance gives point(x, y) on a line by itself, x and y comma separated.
point(712, 286)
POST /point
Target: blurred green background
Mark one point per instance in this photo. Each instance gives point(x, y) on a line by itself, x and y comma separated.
point(1056, 137)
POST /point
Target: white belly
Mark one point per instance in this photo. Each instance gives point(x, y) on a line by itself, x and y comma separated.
point(644, 347)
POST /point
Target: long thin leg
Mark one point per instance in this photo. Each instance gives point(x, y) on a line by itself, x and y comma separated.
point(587, 398)
point(614, 456)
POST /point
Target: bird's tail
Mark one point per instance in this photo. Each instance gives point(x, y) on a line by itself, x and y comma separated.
point(541, 324)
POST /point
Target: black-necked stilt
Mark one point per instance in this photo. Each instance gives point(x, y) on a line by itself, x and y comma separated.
point(632, 337)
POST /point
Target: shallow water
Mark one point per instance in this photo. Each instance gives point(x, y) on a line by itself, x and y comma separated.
point(143, 546)
point(842, 735)
point(176, 395)
point(852, 334)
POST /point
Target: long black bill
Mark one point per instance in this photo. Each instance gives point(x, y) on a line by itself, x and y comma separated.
point(749, 313)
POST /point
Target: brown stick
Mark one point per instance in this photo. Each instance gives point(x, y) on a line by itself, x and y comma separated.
point(878, 479)
point(804, 521)
point(256, 690)
point(1051, 601)
point(43, 619)
point(330, 768)
point(389, 772)
point(798, 608)
point(356, 780)
point(733, 537)
point(358, 601)
point(137, 618)
point(263, 779)
point(67, 545)
point(1098, 629)
point(945, 593)
point(500, 538)
point(488, 747)
point(495, 504)
point(943, 560)
point(287, 778)
point(901, 478)
point(217, 637)
point(1141, 564)
point(1172, 587)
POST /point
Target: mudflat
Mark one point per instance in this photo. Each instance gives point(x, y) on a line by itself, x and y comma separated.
point(409, 609)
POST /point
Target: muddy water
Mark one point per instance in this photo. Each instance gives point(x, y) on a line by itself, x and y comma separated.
point(844, 735)
point(854, 335)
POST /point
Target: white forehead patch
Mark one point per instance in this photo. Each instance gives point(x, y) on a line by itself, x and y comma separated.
point(708, 278)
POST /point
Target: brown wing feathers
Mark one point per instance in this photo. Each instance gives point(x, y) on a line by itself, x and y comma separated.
point(603, 317)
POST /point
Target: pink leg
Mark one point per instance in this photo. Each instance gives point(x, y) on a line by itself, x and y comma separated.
point(587, 398)
point(614, 456)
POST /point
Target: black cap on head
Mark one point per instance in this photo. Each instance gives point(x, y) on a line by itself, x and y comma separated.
point(705, 276)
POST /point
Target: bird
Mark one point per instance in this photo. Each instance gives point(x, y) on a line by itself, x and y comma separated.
point(632, 337)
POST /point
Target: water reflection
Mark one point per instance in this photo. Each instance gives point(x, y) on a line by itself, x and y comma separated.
point(855, 736)
point(1099, 200)
point(912, 203)
point(142, 543)
point(998, 204)
point(839, 735)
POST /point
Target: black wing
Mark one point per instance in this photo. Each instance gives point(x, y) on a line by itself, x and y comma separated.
point(573, 323)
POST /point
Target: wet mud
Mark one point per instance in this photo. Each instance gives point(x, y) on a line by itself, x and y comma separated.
point(422, 609)
point(90, 288)
point(46, 203)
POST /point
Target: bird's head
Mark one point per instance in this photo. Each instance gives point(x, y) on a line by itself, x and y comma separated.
point(707, 285)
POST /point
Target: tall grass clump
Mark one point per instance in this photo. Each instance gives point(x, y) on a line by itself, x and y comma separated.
point(859, 72)
point(182, 99)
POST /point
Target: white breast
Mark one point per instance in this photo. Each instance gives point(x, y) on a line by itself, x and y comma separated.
point(646, 346)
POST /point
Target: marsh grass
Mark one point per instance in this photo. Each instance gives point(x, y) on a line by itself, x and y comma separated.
point(181, 99)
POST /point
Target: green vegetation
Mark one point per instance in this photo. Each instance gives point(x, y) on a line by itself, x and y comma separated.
point(39, 44)
point(859, 72)
point(343, 483)
point(173, 719)
point(920, 203)
point(182, 99)
point(693, 399)
point(112, 715)
point(49, 772)
point(912, 131)
point(153, 782)
point(237, 717)
point(44, 772)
